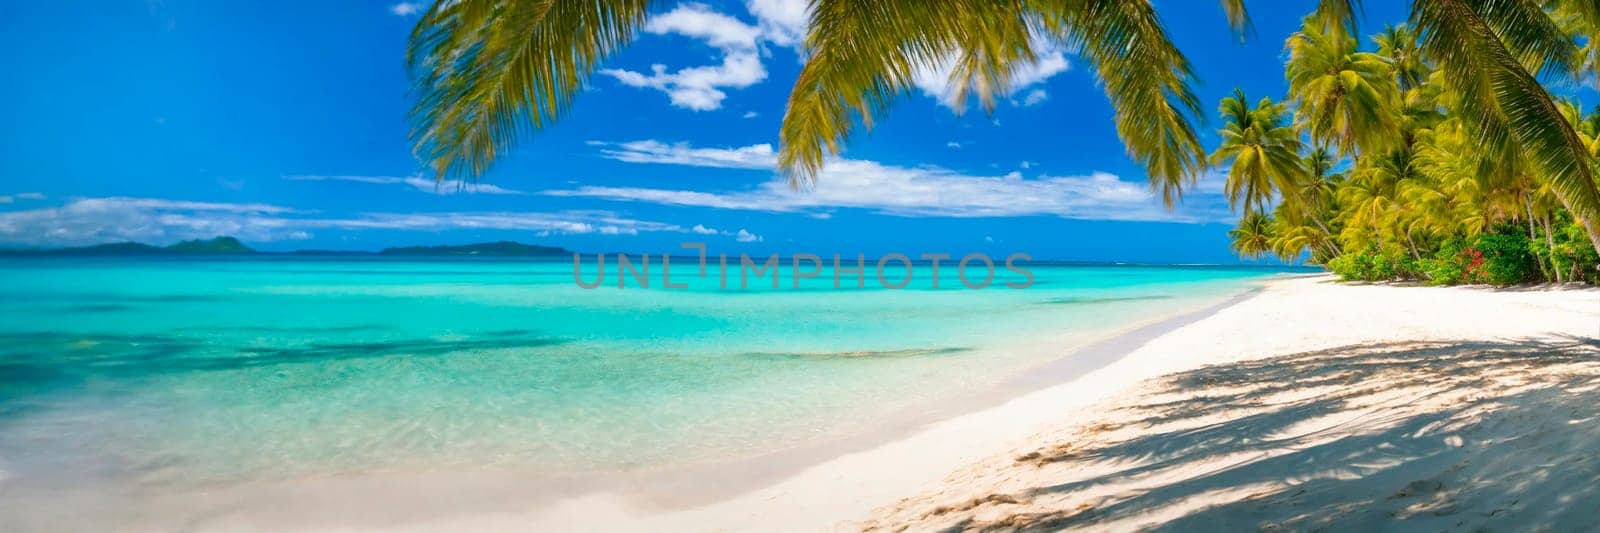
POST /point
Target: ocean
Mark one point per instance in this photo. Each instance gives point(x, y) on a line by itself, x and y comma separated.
point(198, 372)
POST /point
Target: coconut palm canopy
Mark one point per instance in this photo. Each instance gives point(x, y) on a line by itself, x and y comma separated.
point(489, 73)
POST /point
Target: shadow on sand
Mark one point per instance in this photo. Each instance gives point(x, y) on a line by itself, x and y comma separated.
point(1372, 437)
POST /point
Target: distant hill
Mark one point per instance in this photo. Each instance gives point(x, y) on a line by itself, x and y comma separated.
point(219, 245)
point(485, 249)
point(232, 246)
point(216, 246)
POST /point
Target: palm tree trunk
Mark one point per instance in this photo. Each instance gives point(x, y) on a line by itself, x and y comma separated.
point(1550, 249)
point(1593, 230)
point(1413, 244)
point(1589, 226)
point(1527, 207)
point(1317, 218)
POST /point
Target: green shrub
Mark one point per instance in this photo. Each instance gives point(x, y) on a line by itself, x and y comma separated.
point(1573, 255)
point(1370, 266)
point(1379, 267)
point(1495, 259)
point(1449, 264)
point(1346, 267)
point(1408, 267)
point(1502, 259)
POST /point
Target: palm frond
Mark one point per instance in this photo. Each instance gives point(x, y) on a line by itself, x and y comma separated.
point(1238, 18)
point(863, 54)
point(1491, 80)
point(1338, 15)
point(1147, 80)
point(487, 73)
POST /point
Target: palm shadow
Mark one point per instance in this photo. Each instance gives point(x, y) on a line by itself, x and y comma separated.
point(1325, 440)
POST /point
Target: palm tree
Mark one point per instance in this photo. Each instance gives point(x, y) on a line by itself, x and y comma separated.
point(1576, 18)
point(1294, 234)
point(1371, 199)
point(1316, 194)
point(1492, 53)
point(1320, 178)
point(1253, 236)
point(1343, 97)
point(490, 72)
point(1260, 150)
point(1399, 45)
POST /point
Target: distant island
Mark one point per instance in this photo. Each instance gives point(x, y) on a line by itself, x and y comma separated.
point(231, 246)
point(215, 246)
point(493, 249)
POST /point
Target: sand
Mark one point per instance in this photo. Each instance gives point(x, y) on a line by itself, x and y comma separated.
point(1310, 404)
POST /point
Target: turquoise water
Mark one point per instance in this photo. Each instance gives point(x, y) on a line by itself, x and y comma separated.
point(197, 371)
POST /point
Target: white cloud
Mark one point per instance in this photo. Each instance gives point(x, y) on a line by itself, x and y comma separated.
point(417, 182)
point(10, 198)
point(1213, 182)
point(783, 22)
point(406, 9)
point(934, 81)
point(953, 144)
point(750, 114)
point(1025, 165)
point(652, 151)
point(96, 220)
point(745, 236)
point(1035, 97)
point(892, 190)
point(741, 235)
point(699, 21)
point(699, 88)
point(99, 220)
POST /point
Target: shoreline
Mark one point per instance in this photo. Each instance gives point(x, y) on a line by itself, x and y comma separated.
point(850, 482)
point(757, 505)
point(410, 499)
point(844, 492)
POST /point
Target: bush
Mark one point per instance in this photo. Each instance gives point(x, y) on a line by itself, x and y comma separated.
point(1495, 259)
point(1503, 259)
point(1449, 264)
point(1345, 267)
point(1369, 266)
point(1410, 268)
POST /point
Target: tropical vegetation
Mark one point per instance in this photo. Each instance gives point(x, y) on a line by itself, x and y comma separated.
point(1433, 150)
point(1432, 153)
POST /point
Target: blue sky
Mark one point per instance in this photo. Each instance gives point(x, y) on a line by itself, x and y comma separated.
point(284, 123)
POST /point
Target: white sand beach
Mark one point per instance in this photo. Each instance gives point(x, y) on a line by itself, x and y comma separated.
point(1309, 404)
point(1306, 404)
